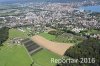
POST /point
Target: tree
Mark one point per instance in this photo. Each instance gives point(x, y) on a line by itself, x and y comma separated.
point(89, 48)
point(4, 34)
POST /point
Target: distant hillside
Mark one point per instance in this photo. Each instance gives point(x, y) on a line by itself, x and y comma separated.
point(52, 1)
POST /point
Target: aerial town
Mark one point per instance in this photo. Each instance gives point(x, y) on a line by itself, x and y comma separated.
point(55, 30)
point(42, 16)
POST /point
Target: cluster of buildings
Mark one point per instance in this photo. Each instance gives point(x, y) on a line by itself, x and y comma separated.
point(56, 15)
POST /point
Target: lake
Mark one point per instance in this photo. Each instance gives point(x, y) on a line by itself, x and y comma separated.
point(91, 8)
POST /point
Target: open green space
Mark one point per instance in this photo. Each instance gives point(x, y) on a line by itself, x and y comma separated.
point(17, 33)
point(43, 58)
point(48, 36)
point(93, 31)
point(14, 55)
point(63, 38)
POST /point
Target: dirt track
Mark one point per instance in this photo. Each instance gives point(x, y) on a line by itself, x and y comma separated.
point(55, 47)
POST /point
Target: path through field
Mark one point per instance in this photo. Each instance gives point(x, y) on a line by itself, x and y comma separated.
point(58, 48)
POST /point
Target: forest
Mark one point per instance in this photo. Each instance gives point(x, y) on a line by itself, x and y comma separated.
point(4, 34)
point(89, 48)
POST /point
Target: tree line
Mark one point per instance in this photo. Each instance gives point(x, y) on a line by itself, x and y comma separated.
point(89, 48)
point(4, 34)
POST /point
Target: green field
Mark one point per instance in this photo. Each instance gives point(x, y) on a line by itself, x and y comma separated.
point(93, 31)
point(16, 55)
point(63, 38)
point(43, 58)
point(48, 36)
point(16, 33)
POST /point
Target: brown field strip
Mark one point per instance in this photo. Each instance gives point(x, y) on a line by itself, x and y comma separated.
point(58, 48)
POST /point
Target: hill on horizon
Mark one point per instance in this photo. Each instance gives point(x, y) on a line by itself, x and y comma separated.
point(52, 1)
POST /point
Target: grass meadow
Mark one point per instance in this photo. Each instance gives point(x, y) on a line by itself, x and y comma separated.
point(16, 55)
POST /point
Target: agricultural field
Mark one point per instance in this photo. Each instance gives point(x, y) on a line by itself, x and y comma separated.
point(43, 58)
point(56, 47)
point(17, 33)
point(63, 38)
point(14, 56)
point(48, 36)
point(17, 55)
point(69, 38)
